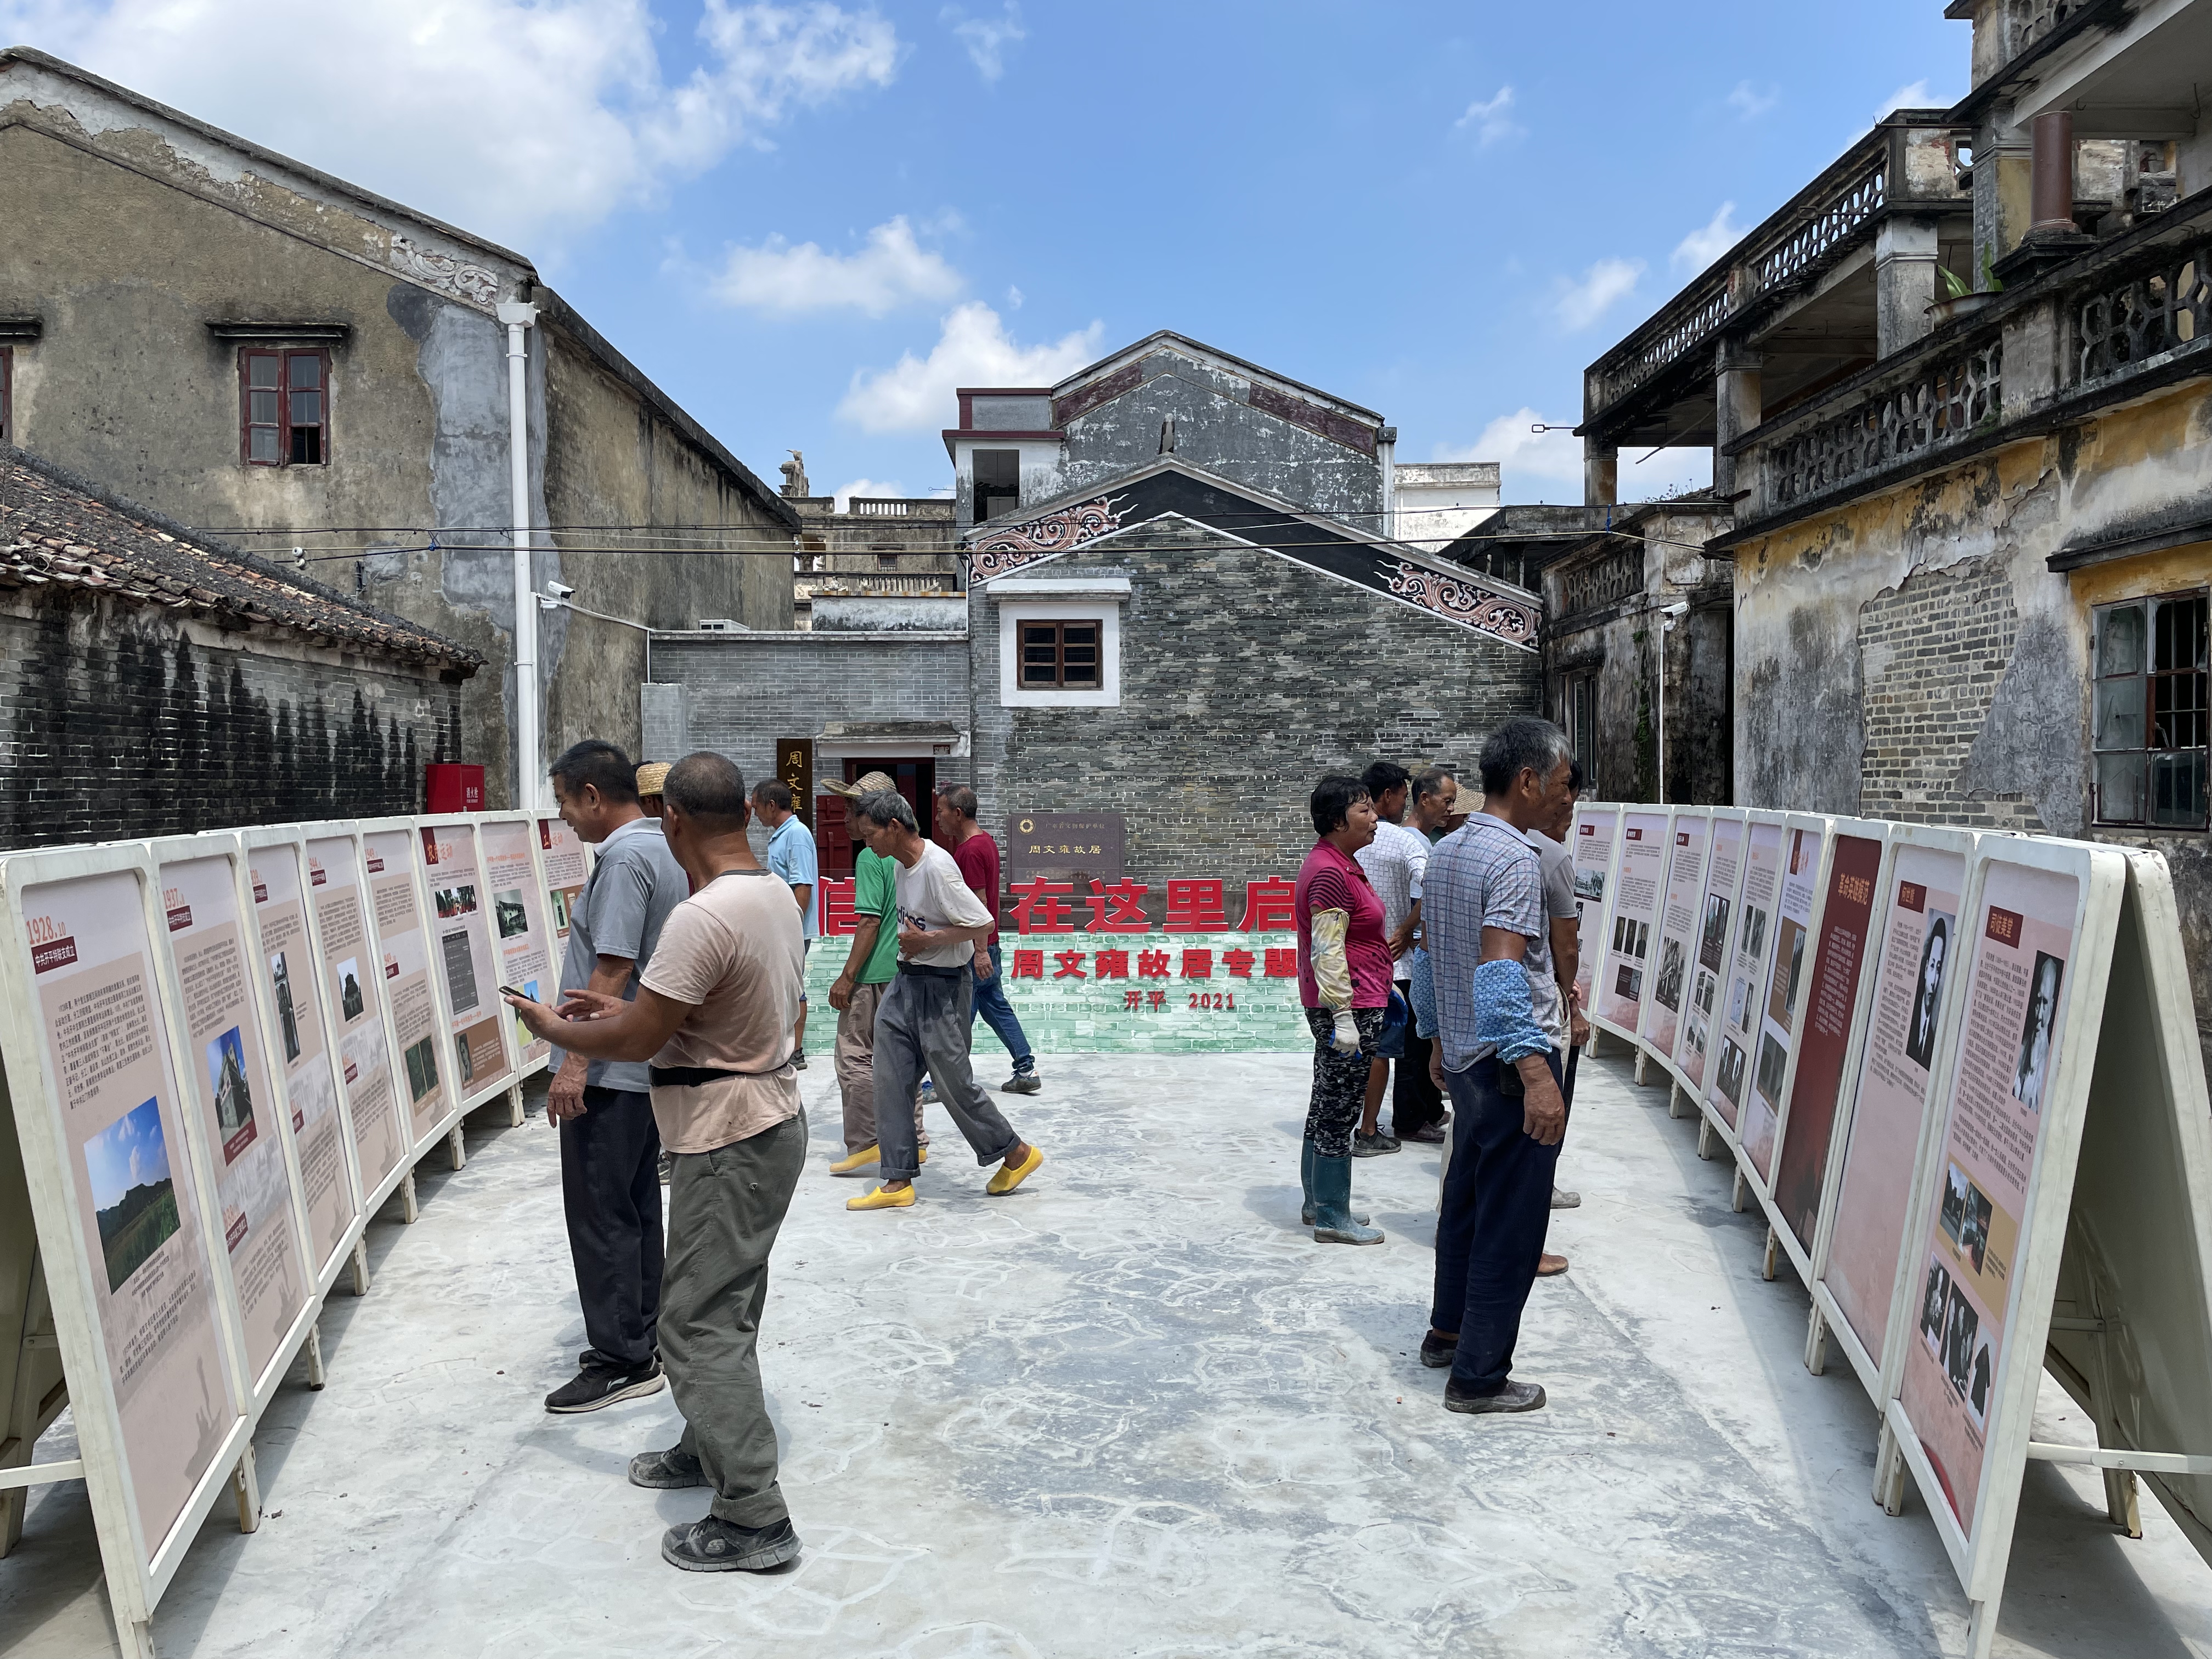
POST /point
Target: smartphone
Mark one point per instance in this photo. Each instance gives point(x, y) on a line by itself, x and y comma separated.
point(509, 990)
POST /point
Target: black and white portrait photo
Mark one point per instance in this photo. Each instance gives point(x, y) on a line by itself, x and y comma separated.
point(2033, 1070)
point(1927, 993)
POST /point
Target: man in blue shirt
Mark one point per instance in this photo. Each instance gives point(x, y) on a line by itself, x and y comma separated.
point(1502, 1030)
point(791, 857)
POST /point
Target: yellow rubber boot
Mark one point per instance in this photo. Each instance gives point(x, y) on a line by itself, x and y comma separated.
point(1009, 1178)
point(858, 1161)
point(880, 1199)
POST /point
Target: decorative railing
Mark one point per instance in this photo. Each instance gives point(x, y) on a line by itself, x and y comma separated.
point(890, 509)
point(1947, 400)
point(1608, 581)
point(2151, 312)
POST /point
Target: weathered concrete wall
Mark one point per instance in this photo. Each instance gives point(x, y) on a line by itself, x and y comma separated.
point(119, 719)
point(1244, 678)
point(1912, 656)
point(888, 613)
point(1216, 428)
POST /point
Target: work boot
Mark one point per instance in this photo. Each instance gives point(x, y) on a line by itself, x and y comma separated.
point(1438, 1352)
point(1306, 1180)
point(1333, 1219)
point(1022, 1083)
point(1513, 1397)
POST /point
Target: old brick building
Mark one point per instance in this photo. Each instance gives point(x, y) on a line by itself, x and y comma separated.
point(156, 682)
point(252, 346)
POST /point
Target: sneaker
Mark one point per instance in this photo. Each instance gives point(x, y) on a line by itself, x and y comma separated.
point(668, 1470)
point(714, 1544)
point(798, 1060)
point(1565, 1201)
point(1513, 1397)
point(1437, 1352)
point(1428, 1134)
point(668, 1166)
point(1022, 1083)
point(1374, 1145)
point(590, 1390)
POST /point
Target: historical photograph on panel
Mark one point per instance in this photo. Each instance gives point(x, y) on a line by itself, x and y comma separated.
point(135, 1201)
point(1669, 985)
point(1790, 962)
point(1693, 1038)
point(421, 1068)
point(1731, 1073)
point(1590, 884)
point(457, 901)
point(1773, 1060)
point(507, 909)
point(1981, 1372)
point(1751, 934)
point(460, 972)
point(2032, 1070)
point(467, 1061)
point(1713, 938)
point(1701, 994)
point(1935, 1305)
point(1927, 991)
point(288, 1012)
point(352, 1003)
point(1962, 1326)
point(234, 1101)
point(1739, 1008)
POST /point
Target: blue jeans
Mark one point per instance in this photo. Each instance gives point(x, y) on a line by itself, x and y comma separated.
point(995, 1011)
point(1490, 1235)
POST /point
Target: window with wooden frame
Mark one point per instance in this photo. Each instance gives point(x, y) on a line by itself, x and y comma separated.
point(2148, 722)
point(1059, 655)
point(284, 407)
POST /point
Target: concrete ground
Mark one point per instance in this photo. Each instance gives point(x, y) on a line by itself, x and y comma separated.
point(1132, 1410)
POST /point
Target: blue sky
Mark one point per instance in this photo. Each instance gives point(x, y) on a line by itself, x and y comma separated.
point(809, 223)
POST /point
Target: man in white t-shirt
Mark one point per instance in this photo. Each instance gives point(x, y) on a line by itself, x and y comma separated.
point(1393, 862)
point(924, 1022)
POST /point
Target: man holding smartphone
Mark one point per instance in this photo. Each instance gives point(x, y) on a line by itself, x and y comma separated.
point(610, 1149)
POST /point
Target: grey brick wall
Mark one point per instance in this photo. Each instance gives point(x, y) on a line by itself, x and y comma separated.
point(120, 720)
point(1244, 677)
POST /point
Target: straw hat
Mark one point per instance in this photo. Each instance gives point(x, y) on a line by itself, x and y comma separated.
point(653, 778)
point(868, 783)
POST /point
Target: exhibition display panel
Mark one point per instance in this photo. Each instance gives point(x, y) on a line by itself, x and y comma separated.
point(392, 859)
point(1723, 863)
point(1639, 880)
point(518, 921)
point(562, 864)
point(1596, 831)
point(1662, 1023)
point(1745, 953)
point(479, 1040)
point(1772, 1011)
point(353, 982)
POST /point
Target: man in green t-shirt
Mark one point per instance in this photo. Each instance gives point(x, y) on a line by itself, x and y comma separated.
point(868, 972)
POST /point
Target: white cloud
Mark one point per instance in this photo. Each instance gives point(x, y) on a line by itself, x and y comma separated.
point(1750, 103)
point(986, 38)
point(1708, 242)
point(892, 270)
point(871, 489)
point(1916, 96)
point(1492, 120)
point(1547, 466)
point(973, 348)
point(516, 119)
point(1580, 303)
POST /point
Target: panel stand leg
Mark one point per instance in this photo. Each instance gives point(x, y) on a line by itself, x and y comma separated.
point(360, 1267)
point(1889, 1474)
point(13, 1503)
point(1766, 1269)
point(455, 1148)
point(409, 1209)
point(316, 1377)
point(1981, 1629)
point(514, 1105)
point(1816, 1342)
point(245, 1487)
point(1735, 1192)
point(1705, 1137)
point(2123, 1501)
point(1676, 1105)
point(139, 1642)
point(1640, 1058)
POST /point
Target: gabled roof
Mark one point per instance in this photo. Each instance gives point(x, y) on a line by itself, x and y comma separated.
point(1293, 401)
point(59, 530)
point(1140, 350)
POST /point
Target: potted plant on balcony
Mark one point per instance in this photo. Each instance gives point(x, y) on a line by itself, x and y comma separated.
point(1958, 299)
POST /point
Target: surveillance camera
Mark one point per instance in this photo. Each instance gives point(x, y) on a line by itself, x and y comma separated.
point(560, 590)
point(1680, 608)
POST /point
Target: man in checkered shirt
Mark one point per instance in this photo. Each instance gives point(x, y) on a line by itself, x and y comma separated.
point(1502, 1034)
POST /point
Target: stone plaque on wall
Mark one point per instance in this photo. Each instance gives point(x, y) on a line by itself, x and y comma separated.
point(1063, 844)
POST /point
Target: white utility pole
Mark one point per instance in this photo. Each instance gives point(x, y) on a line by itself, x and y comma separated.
point(1668, 614)
point(529, 713)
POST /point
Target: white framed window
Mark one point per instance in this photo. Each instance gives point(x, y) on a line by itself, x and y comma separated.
point(1060, 653)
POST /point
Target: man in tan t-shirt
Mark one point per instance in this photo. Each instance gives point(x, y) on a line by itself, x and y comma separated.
point(714, 1013)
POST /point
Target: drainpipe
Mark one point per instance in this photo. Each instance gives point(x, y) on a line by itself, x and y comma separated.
point(529, 741)
point(1386, 451)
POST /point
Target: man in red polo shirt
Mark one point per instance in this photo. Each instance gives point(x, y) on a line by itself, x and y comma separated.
point(977, 855)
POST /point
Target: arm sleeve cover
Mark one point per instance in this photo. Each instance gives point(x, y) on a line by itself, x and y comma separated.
point(1502, 1012)
point(1425, 995)
point(1332, 969)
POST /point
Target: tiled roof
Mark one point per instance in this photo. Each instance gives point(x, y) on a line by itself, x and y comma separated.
point(60, 530)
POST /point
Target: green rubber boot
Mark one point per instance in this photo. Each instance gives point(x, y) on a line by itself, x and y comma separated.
point(1306, 1180)
point(1333, 1222)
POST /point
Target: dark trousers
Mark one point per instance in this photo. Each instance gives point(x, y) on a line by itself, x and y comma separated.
point(1497, 1204)
point(725, 1209)
point(611, 1190)
point(995, 1011)
point(1567, 1088)
point(924, 1025)
point(1415, 1103)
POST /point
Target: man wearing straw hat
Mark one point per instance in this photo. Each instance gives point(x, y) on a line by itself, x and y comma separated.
point(651, 777)
point(859, 992)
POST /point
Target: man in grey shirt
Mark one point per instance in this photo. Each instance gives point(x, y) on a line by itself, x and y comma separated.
point(609, 1148)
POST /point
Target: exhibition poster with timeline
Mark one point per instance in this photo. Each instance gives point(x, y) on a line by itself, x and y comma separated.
point(1754, 930)
point(309, 1087)
point(388, 858)
point(518, 912)
point(1594, 830)
point(354, 979)
point(1801, 1172)
point(1724, 864)
point(123, 1124)
point(1678, 930)
point(1775, 1014)
point(237, 1100)
point(1920, 941)
point(2010, 1037)
point(455, 886)
point(1636, 884)
point(562, 856)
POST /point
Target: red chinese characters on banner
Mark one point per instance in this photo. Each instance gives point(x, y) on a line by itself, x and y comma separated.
point(1282, 964)
point(1133, 1001)
point(1195, 907)
point(1113, 964)
point(1152, 964)
point(1198, 964)
point(1070, 964)
point(1029, 965)
point(1117, 908)
point(1238, 962)
point(1267, 907)
point(837, 917)
point(1042, 906)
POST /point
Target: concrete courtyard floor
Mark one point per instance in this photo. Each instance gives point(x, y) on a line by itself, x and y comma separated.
point(1132, 1410)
